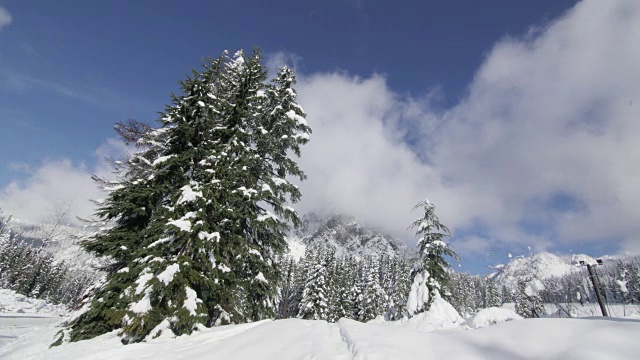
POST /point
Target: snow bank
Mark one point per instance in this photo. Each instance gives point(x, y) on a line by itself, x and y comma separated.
point(578, 310)
point(282, 340)
point(14, 303)
point(491, 316)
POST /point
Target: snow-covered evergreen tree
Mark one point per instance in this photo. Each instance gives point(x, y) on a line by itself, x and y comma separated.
point(394, 279)
point(333, 285)
point(464, 296)
point(298, 285)
point(201, 211)
point(633, 280)
point(345, 280)
point(286, 286)
point(492, 294)
point(431, 270)
point(532, 292)
point(371, 297)
point(314, 304)
point(523, 307)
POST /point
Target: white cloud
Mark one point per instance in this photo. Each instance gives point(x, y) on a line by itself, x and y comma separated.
point(53, 183)
point(46, 187)
point(356, 161)
point(275, 61)
point(543, 149)
point(555, 116)
point(5, 17)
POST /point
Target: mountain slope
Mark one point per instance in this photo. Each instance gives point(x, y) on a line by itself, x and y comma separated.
point(344, 235)
point(539, 266)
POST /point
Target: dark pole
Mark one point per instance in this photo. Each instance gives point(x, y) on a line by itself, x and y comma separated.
point(592, 276)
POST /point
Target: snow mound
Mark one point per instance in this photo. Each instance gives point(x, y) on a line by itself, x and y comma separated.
point(491, 316)
point(12, 302)
point(440, 316)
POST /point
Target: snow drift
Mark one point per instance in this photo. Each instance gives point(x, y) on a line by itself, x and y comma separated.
point(491, 316)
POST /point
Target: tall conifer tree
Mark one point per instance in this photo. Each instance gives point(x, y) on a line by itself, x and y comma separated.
point(200, 213)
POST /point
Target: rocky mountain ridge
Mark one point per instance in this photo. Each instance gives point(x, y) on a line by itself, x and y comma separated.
point(344, 235)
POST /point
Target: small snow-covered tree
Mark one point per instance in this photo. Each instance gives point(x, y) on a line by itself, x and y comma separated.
point(334, 285)
point(532, 290)
point(371, 297)
point(298, 285)
point(492, 294)
point(345, 280)
point(431, 271)
point(314, 304)
point(397, 288)
point(286, 286)
point(527, 298)
point(522, 305)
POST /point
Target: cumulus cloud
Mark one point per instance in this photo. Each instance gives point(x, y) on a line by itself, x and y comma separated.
point(357, 162)
point(542, 151)
point(59, 183)
point(550, 126)
point(5, 17)
point(52, 184)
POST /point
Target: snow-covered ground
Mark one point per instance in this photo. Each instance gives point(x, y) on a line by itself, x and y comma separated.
point(578, 310)
point(13, 303)
point(438, 334)
point(20, 315)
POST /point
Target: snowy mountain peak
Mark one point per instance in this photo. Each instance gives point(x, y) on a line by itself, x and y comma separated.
point(345, 235)
point(539, 266)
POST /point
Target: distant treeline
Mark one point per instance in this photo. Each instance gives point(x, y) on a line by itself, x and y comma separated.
point(619, 279)
point(33, 271)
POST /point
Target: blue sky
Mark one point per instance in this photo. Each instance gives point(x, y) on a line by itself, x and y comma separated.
point(88, 65)
point(506, 114)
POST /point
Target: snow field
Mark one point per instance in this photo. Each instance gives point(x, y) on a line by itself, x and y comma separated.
point(440, 333)
point(594, 338)
point(590, 338)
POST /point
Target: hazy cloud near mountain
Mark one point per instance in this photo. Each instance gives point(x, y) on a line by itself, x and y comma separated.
point(357, 161)
point(543, 149)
